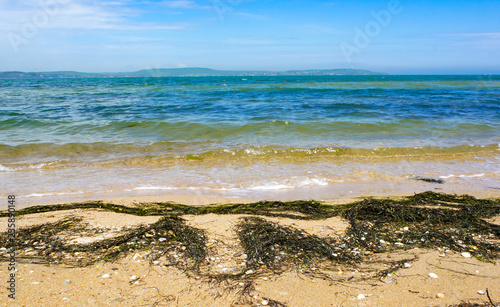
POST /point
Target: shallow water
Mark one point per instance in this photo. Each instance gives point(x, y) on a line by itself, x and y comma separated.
point(251, 136)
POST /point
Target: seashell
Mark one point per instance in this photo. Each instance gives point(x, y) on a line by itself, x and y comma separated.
point(137, 257)
point(440, 295)
point(432, 275)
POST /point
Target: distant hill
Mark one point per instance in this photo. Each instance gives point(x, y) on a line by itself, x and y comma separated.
point(49, 74)
point(183, 72)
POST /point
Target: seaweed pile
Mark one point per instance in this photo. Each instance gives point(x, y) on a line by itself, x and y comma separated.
point(48, 243)
point(277, 246)
point(293, 209)
point(428, 220)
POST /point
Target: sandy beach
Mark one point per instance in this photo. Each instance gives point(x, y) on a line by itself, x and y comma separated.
point(136, 279)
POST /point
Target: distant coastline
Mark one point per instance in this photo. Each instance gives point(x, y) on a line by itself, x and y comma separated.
point(185, 72)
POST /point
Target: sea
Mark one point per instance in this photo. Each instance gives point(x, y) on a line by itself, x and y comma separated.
point(257, 137)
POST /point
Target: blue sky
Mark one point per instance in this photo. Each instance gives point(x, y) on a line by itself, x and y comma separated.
point(406, 37)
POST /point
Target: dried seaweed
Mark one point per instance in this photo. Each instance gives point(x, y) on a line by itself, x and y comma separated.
point(425, 221)
point(294, 209)
point(430, 180)
point(429, 220)
point(45, 244)
point(277, 246)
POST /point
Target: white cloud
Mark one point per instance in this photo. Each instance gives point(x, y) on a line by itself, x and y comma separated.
point(136, 39)
point(485, 40)
point(310, 55)
point(184, 4)
point(472, 34)
point(321, 29)
point(180, 4)
point(76, 14)
point(252, 16)
point(250, 41)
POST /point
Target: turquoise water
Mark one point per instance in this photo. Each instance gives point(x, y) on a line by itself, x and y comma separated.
point(272, 127)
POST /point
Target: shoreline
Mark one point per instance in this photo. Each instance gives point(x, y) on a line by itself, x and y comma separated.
point(350, 193)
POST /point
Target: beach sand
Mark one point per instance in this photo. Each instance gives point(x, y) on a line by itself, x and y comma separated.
point(135, 281)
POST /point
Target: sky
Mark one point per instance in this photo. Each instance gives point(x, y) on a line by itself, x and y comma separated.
point(396, 37)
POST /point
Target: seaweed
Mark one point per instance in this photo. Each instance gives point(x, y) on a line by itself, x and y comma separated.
point(431, 180)
point(277, 246)
point(294, 209)
point(45, 244)
point(429, 220)
point(379, 225)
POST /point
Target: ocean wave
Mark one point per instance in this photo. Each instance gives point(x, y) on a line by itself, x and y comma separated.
point(151, 188)
point(51, 194)
point(288, 184)
point(462, 176)
point(36, 166)
point(44, 156)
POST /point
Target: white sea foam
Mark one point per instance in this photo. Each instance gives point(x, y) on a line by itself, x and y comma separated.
point(447, 176)
point(180, 188)
point(463, 176)
point(290, 184)
point(314, 181)
point(227, 189)
point(255, 152)
point(472, 175)
point(40, 194)
point(152, 188)
point(272, 187)
point(52, 194)
point(20, 168)
point(37, 166)
point(6, 169)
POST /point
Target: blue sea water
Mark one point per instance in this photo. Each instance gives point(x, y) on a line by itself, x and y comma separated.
point(244, 133)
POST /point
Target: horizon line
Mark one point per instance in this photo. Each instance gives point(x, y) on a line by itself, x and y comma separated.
point(250, 70)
